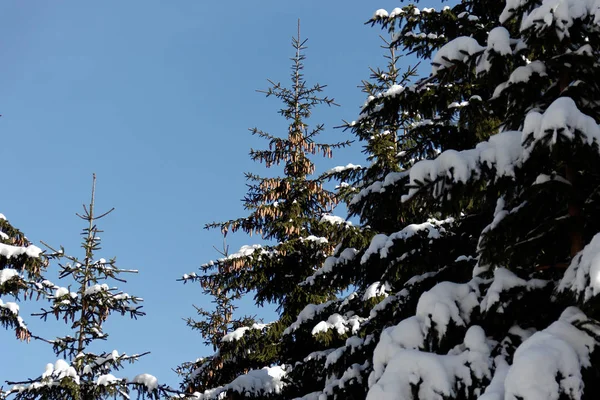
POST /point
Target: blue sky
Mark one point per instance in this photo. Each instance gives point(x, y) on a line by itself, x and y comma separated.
point(156, 98)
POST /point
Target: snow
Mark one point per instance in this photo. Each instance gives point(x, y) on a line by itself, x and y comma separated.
point(340, 323)
point(7, 274)
point(316, 355)
point(352, 343)
point(543, 178)
point(258, 381)
point(495, 390)
point(106, 380)
point(381, 243)
point(244, 251)
point(457, 50)
point(346, 256)
point(61, 291)
point(9, 251)
point(335, 220)
point(394, 90)
point(339, 169)
point(396, 12)
point(381, 13)
point(499, 41)
point(456, 104)
point(147, 380)
point(501, 152)
point(559, 14)
point(376, 289)
point(352, 372)
point(448, 302)
point(524, 73)
point(440, 376)
point(505, 280)
point(94, 289)
point(239, 332)
point(309, 312)
point(10, 306)
point(561, 117)
point(521, 74)
point(582, 277)
point(549, 363)
point(315, 239)
point(62, 369)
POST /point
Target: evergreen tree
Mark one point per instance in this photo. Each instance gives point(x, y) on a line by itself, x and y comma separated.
point(85, 305)
point(21, 267)
point(481, 283)
point(292, 213)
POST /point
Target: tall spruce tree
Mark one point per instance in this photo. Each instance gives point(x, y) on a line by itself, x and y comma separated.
point(291, 212)
point(21, 267)
point(84, 305)
point(495, 295)
point(483, 282)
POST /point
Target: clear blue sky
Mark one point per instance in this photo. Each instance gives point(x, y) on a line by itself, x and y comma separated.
point(155, 97)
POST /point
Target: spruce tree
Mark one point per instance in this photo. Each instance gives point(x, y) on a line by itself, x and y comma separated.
point(292, 213)
point(21, 267)
point(494, 295)
point(84, 305)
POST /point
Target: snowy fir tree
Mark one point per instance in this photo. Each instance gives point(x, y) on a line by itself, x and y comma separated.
point(481, 281)
point(84, 305)
point(292, 213)
point(21, 267)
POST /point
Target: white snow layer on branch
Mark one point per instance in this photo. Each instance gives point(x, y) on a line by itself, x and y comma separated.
point(149, 381)
point(445, 302)
point(342, 324)
point(345, 257)
point(501, 152)
point(341, 168)
point(505, 280)
point(381, 243)
point(7, 274)
point(438, 376)
point(257, 381)
point(376, 289)
point(9, 251)
point(457, 50)
point(309, 312)
point(548, 365)
point(561, 118)
point(10, 306)
point(583, 275)
point(240, 332)
point(335, 220)
point(521, 74)
point(559, 14)
point(498, 42)
point(52, 376)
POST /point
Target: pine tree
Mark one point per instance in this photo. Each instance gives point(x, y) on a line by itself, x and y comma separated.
point(292, 213)
point(84, 305)
point(21, 267)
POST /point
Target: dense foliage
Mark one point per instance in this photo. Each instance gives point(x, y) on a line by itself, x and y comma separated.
point(477, 276)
